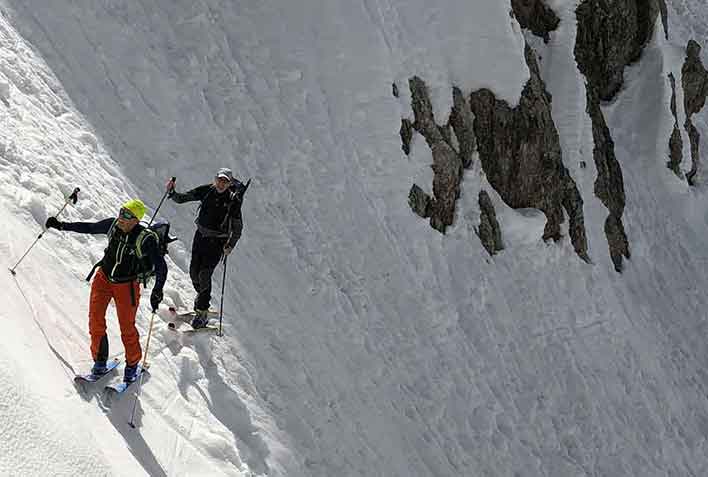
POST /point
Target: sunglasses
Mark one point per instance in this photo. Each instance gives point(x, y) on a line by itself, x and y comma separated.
point(126, 214)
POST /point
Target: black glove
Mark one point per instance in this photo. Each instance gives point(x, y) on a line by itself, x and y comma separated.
point(155, 299)
point(53, 223)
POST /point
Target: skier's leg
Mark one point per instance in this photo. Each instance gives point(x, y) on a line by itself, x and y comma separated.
point(126, 310)
point(211, 255)
point(195, 263)
point(101, 295)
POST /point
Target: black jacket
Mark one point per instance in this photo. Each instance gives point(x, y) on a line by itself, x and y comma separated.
point(219, 214)
point(119, 262)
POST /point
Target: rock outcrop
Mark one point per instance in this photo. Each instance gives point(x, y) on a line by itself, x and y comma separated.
point(694, 80)
point(536, 16)
point(675, 141)
point(448, 163)
point(520, 153)
point(609, 185)
point(489, 232)
point(611, 35)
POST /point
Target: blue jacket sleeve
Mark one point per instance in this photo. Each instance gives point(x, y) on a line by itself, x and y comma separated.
point(100, 227)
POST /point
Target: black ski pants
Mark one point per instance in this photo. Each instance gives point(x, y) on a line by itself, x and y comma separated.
point(206, 254)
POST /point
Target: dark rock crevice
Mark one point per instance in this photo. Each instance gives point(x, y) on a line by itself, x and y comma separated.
point(536, 16)
point(520, 152)
point(675, 141)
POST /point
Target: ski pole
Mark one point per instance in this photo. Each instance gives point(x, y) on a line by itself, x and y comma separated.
point(171, 181)
point(144, 366)
point(73, 197)
point(221, 311)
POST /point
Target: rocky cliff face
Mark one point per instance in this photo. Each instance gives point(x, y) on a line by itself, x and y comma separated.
point(520, 152)
point(611, 35)
point(519, 148)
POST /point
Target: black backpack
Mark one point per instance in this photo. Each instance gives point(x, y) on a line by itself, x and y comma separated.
point(146, 270)
point(237, 190)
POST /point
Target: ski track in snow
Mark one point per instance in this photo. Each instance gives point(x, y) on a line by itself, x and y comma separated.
point(358, 340)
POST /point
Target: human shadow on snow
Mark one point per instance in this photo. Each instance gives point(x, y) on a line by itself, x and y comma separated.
point(225, 405)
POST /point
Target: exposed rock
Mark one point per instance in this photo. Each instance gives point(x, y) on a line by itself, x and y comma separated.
point(611, 35)
point(420, 202)
point(521, 155)
point(694, 138)
point(694, 79)
point(406, 135)
point(536, 16)
point(609, 185)
point(489, 231)
point(394, 86)
point(675, 152)
point(447, 165)
point(675, 141)
point(462, 122)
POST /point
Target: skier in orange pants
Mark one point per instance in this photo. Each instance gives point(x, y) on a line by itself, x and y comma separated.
point(133, 251)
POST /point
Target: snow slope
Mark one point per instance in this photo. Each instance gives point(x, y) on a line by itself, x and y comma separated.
point(359, 341)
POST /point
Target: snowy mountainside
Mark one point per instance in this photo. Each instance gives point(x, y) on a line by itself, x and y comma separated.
point(359, 340)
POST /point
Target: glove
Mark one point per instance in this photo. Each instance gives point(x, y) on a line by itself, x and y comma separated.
point(170, 187)
point(53, 223)
point(155, 299)
point(227, 250)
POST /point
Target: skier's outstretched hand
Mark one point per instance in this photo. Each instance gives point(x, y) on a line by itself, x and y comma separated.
point(155, 300)
point(53, 223)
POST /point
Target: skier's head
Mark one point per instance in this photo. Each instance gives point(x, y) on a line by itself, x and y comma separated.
point(130, 214)
point(222, 179)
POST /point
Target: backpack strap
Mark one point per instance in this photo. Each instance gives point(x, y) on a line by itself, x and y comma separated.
point(145, 233)
point(98, 264)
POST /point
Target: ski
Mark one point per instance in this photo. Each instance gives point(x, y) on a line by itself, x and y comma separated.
point(92, 378)
point(121, 387)
point(173, 327)
point(187, 315)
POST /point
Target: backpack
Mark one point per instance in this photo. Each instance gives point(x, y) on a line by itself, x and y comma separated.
point(160, 230)
point(145, 269)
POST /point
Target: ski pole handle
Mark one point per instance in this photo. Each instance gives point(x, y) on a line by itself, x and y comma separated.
point(73, 197)
point(170, 186)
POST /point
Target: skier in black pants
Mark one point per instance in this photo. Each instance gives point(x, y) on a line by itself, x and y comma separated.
point(219, 226)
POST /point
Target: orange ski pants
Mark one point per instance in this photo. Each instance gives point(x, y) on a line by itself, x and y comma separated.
point(102, 291)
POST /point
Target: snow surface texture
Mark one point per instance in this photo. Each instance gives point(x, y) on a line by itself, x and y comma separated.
point(359, 341)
